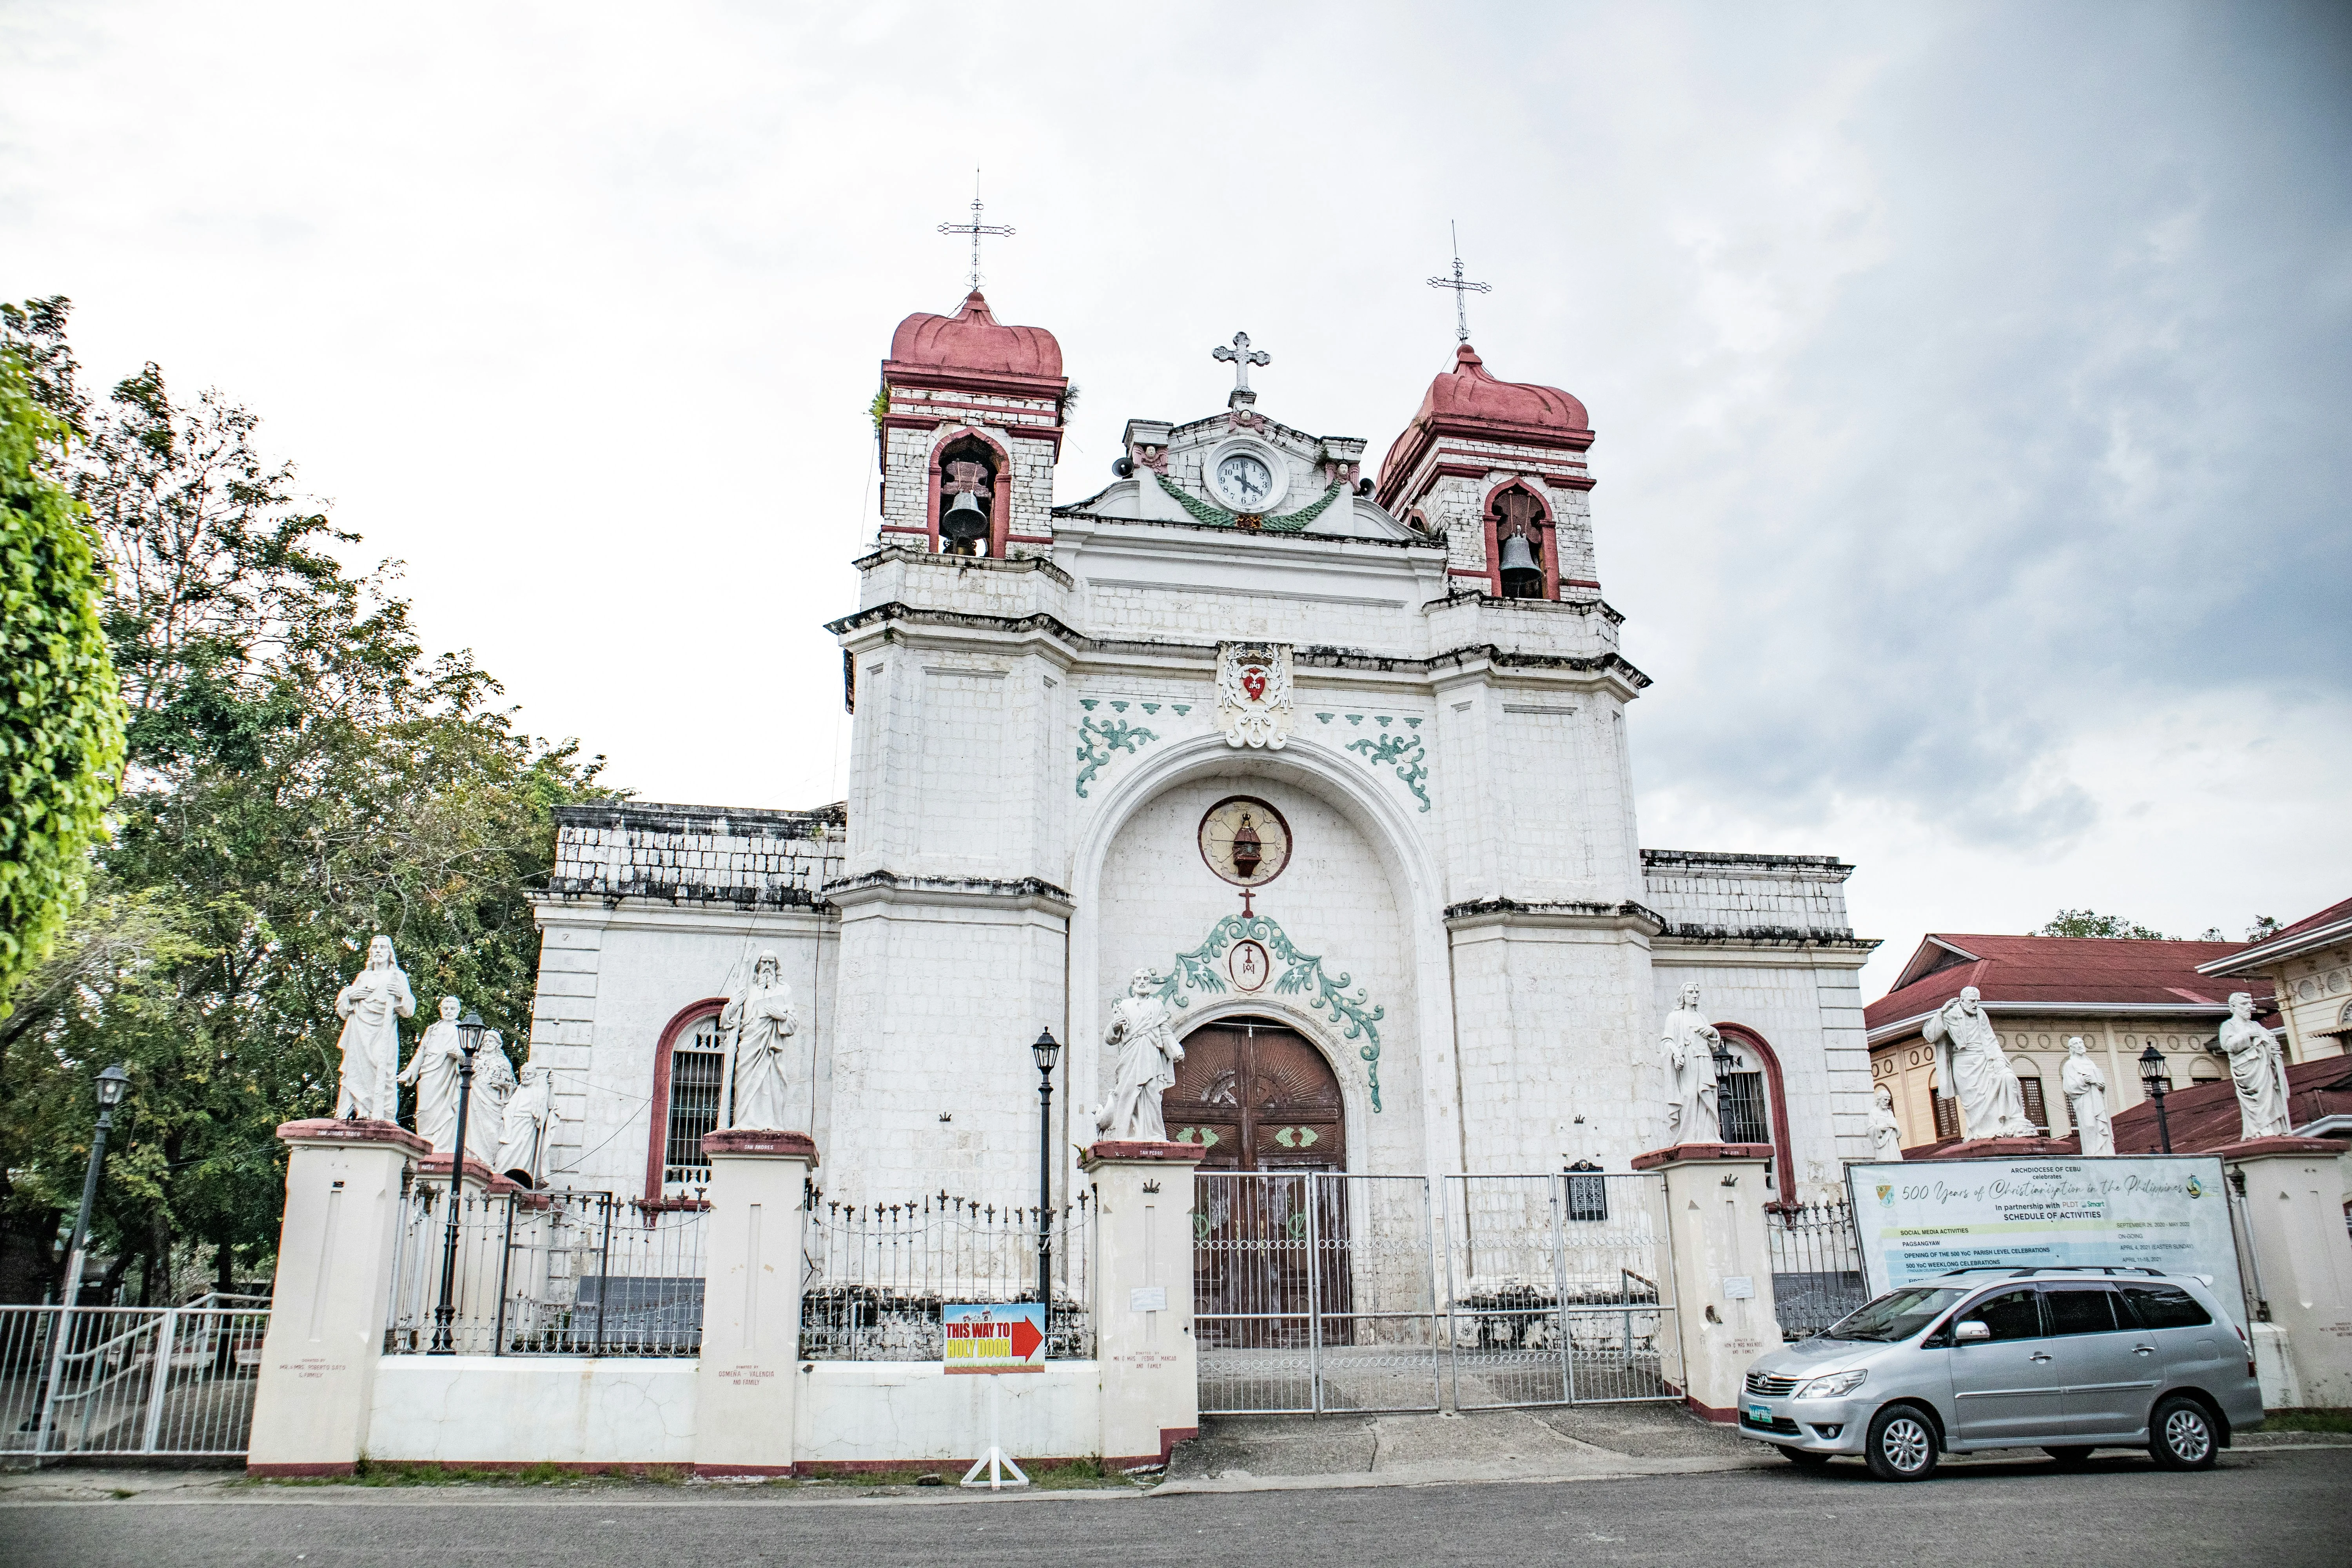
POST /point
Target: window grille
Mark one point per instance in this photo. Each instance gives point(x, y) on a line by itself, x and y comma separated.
point(2035, 1110)
point(696, 1076)
point(1587, 1197)
point(1739, 1107)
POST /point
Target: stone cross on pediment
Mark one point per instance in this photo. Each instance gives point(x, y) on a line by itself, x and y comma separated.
point(1241, 356)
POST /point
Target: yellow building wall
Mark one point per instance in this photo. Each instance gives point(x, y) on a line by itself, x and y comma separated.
point(2036, 1046)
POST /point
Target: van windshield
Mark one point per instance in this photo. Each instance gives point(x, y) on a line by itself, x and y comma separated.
point(1897, 1315)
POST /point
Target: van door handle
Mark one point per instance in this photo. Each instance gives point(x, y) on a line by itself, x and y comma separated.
point(2037, 1355)
point(2143, 1350)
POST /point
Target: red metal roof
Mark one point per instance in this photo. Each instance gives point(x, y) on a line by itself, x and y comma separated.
point(973, 340)
point(2206, 1116)
point(2331, 915)
point(2054, 971)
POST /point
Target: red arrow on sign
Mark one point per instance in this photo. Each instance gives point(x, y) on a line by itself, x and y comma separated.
point(1025, 1338)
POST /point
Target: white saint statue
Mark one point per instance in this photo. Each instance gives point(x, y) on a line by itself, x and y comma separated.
point(1971, 1068)
point(1885, 1132)
point(753, 1027)
point(2258, 1067)
point(494, 1085)
point(372, 1006)
point(434, 1070)
point(1144, 1036)
point(526, 1128)
point(1690, 1042)
point(2085, 1089)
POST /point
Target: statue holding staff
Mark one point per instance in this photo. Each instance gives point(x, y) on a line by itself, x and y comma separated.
point(1144, 1036)
point(753, 1027)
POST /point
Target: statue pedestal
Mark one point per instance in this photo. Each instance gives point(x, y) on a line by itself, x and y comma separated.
point(1144, 1341)
point(1724, 1314)
point(317, 1377)
point(2294, 1208)
point(746, 1382)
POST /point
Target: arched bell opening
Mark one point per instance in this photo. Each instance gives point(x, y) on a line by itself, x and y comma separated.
point(965, 522)
point(1519, 543)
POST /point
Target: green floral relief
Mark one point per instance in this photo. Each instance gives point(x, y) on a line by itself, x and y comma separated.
point(1098, 738)
point(1210, 512)
point(1355, 1015)
point(1403, 753)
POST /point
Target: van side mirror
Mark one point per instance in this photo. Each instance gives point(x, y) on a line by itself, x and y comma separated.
point(1972, 1334)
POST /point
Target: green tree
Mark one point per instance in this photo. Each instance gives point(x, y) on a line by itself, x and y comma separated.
point(2089, 922)
point(61, 716)
point(301, 775)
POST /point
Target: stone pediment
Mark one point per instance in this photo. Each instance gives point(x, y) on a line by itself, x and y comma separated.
point(1241, 470)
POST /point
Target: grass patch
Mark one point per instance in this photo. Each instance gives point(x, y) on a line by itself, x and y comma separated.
point(370, 1472)
point(2318, 1420)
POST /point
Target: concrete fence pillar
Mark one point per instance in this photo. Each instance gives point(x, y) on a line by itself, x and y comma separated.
point(317, 1377)
point(1144, 1341)
point(1724, 1313)
point(747, 1382)
point(2294, 1206)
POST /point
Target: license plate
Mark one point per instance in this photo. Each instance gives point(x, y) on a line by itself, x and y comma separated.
point(1760, 1413)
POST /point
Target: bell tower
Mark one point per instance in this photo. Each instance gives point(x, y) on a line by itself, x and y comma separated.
point(969, 421)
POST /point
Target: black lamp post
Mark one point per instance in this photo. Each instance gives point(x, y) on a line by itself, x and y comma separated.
point(112, 1085)
point(2155, 1076)
point(469, 1040)
point(1046, 1049)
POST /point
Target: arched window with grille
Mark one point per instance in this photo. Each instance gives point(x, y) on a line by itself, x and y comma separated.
point(1752, 1100)
point(689, 1075)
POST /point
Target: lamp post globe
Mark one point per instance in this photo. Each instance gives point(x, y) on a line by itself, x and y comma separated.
point(2155, 1076)
point(112, 1084)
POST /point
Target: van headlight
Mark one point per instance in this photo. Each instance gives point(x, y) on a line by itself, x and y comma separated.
point(1837, 1382)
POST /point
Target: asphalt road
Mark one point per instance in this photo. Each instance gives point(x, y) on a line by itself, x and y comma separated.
point(2278, 1510)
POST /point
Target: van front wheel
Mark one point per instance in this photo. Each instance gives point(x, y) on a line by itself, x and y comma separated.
point(1902, 1446)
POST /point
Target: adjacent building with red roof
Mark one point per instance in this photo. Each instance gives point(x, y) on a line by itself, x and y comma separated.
point(2122, 997)
point(2308, 967)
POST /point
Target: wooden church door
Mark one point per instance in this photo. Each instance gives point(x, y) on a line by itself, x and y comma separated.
point(1257, 1098)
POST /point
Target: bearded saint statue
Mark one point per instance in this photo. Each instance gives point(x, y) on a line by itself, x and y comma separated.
point(1971, 1068)
point(2258, 1069)
point(1689, 1041)
point(372, 1006)
point(1144, 1036)
point(753, 1027)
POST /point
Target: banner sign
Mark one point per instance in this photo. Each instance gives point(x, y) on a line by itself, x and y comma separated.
point(1920, 1219)
point(994, 1336)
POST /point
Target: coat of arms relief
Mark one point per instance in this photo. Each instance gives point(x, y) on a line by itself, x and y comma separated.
point(1253, 705)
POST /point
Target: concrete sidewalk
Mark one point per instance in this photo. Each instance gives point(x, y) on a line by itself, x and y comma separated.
point(1588, 1443)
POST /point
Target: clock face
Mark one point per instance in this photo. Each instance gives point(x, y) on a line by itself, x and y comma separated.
point(1245, 841)
point(1244, 480)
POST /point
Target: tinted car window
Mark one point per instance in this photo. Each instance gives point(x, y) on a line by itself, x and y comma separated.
point(2085, 1310)
point(2010, 1315)
point(1897, 1315)
point(2166, 1307)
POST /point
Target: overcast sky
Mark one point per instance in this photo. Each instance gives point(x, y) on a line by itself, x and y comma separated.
point(1971, 381)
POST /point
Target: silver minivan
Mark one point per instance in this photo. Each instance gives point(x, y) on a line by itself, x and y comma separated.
point(2066, 1360)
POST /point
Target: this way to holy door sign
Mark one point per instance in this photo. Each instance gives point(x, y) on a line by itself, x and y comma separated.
point(998, 1336)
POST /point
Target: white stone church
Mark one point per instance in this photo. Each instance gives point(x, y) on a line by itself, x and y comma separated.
point(1339, 754)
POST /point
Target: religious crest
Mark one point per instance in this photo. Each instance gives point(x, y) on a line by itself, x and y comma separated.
point(1254, 694)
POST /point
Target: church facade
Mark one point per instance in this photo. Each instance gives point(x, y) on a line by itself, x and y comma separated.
point(1330, 760)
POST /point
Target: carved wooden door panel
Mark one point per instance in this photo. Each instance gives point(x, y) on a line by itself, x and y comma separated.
point(1257, 1098)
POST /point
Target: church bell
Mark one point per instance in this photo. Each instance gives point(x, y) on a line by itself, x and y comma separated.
point(964, 522)
point(1522, 578)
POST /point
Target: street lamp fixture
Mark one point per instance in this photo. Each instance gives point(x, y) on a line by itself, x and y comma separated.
point(2155, 1076)
point(1047, 1051)
point(112, 1085)
point(471, 1030)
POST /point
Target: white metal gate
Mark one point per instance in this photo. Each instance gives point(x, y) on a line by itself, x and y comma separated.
point(124, 1380)
point(1317, 1291)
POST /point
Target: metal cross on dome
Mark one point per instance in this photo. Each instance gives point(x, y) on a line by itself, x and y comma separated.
point(976, 228)
point(1241, 356)
point(1461, 286)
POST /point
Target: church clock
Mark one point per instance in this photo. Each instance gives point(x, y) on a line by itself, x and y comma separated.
point(1246, 476)
point(1245, 841)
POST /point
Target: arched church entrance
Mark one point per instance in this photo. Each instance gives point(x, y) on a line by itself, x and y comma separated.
point(1256, 1097)
point(1270, 1225)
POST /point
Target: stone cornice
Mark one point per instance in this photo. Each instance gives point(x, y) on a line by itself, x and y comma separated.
point(1568, 913)
point(1019, 892)
point(885, 554)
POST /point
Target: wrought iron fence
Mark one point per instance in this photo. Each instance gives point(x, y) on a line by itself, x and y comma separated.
point(560, 1273)
point(877, 1274)
point(1817, 1274)
point(125, 1381)
point(1558, 1289)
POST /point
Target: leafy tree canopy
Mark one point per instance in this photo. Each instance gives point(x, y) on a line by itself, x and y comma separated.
point(60, 714)
point(2090, 922)
point(300, 775)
